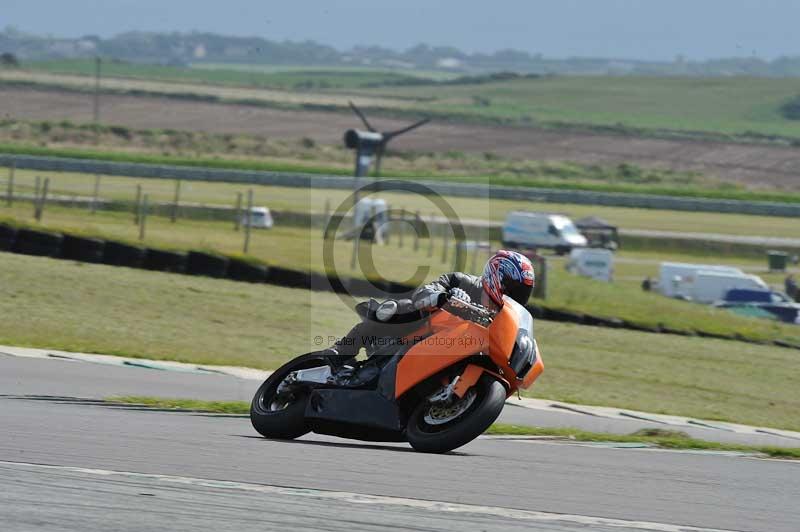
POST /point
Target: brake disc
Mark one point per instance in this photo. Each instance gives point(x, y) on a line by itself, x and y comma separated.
point(439, 414)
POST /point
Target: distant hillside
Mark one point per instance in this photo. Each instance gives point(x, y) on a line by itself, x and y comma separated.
point(184, 48)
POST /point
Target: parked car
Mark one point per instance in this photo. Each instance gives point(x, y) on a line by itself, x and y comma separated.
point(260, 218)
point(777, 304)
point(524, 229)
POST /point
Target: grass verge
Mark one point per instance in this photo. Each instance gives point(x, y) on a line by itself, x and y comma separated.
point(193, 405)
point(665, 439)
point(303, 249)
point(56, 304)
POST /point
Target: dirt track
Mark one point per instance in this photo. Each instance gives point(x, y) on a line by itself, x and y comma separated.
point(753, 164)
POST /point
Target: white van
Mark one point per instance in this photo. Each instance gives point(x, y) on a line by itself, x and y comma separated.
point(260, 218)
point(541, 230)
point(710, 287)
point(596, 263)
point(676, 279)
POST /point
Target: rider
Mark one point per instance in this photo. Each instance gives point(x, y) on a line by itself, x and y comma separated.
point(507, 273)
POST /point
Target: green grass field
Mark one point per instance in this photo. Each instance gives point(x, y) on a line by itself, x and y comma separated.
point(314, 200)
point(728, 106)
point(302, 249)
point(736, 106)
point(93, 308)
point(241, 75)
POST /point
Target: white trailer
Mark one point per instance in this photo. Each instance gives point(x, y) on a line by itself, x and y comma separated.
point(596, 263)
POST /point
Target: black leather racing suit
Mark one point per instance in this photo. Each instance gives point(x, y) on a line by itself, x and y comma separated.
point(365, 333)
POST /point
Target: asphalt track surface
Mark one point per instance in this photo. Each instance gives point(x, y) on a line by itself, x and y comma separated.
point(77, 464)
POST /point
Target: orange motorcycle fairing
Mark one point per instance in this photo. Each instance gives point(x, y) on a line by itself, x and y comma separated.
point(452, 340)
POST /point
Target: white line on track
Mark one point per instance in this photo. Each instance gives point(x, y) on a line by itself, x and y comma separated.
point(359, 498)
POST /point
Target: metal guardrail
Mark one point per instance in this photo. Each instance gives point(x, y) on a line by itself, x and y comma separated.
point(287, 179)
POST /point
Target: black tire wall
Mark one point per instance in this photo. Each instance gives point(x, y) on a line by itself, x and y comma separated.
point(208, 264)
point(39, 243)
point(165, 261)
point(240, 270)
point(8, 235)
point(120, 254)
point(82, 249)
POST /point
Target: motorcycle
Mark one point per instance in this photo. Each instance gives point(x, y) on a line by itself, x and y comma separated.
point(438, 387)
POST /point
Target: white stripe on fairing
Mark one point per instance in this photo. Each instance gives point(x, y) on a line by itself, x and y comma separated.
point(359, 498)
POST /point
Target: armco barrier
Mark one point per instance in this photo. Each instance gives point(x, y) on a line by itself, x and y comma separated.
point(116, 253)
point(285, 179)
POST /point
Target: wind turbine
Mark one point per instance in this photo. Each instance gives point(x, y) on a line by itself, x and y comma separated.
point(372, 143)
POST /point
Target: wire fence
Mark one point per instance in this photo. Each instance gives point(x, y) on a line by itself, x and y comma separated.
point(286, 179)
point(33, 195)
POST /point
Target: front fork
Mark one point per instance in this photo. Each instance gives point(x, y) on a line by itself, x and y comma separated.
point(459, 386)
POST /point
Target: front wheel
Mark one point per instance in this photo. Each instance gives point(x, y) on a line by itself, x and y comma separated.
point(438, 429)
point(282, 416)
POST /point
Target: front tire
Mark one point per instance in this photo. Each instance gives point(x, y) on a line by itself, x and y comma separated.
point(278, 420)
point(441, 437)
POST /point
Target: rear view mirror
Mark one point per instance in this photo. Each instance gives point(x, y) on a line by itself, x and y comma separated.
point(552, 230)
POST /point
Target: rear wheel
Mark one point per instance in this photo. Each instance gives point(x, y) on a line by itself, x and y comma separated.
point(282, 416)
point(434, 428)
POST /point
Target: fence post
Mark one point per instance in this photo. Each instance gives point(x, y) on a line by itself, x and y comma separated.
point(37, 189)
point(402, 227)
point(358, 229)
point(237, 216)
point(10, 191)
point(176, 201)
point(326, 217)
point(430, 237)
point(248, 220)
point(388, 226)
point(96, 193)
point(42, 199)
point(137, 206)
point(416, 231)
point(459, 258)
point(474, 263)
point(541, 278)
point(445, 242)
point(143, 217)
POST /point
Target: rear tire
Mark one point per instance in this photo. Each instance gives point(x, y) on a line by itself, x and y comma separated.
point(428, 438)
point(288, 422)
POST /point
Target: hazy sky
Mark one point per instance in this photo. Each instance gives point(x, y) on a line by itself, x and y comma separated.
point(641, 29)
